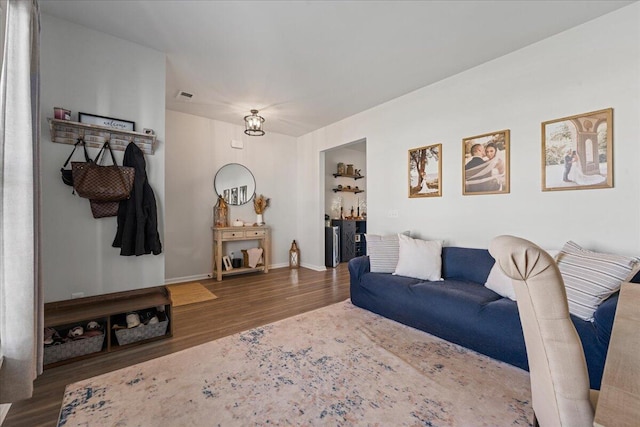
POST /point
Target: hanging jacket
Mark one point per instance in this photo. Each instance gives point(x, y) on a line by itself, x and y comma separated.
point(137, 232)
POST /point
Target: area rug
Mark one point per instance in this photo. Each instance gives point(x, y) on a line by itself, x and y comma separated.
point(339, 365)
point(189, 293)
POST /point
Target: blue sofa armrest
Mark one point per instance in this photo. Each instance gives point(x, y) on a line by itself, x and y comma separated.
point(358, 267)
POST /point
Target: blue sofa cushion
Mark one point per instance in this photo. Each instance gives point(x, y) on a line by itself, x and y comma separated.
point(473, 265)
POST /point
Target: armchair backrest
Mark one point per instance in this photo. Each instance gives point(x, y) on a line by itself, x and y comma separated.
point(557, 366)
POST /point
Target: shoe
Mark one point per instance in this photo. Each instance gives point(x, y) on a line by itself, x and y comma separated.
point(133, 320)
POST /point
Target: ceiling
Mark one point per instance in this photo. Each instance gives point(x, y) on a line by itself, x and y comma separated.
point(307, 64)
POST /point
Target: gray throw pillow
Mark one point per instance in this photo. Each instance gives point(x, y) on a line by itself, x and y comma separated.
point(383, 252)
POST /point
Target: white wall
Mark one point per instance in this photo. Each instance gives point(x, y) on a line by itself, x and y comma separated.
point(591, 67)
point(196, 148)
point(88, 71)
point(345, 155)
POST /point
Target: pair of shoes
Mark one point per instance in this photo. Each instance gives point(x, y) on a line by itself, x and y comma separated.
point(133, 320)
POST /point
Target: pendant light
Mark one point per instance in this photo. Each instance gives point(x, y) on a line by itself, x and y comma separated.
point(253, 124)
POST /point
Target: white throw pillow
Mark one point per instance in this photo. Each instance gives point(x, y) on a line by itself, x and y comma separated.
point(420, 259)
point(591, 277)
point(383, 252)
point(500, 283)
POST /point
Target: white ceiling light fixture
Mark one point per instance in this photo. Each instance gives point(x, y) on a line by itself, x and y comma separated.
point(253, 124)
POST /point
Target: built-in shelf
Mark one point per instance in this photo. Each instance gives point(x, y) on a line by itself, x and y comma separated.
point(356, 177)
point(68, 132)
point(348, 190)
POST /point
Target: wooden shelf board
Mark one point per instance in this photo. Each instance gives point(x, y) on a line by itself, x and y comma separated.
point(55, 316)
point(356, 177)
point(241, 270)
point(348, 190)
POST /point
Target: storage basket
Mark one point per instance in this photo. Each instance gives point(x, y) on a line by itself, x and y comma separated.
point(142, 332)
point(56, 353)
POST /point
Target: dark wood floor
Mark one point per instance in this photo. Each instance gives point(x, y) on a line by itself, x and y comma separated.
point(244, 302)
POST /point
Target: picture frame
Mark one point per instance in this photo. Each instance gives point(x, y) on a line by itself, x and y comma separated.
point(577, 152)
point(485, 163)
point(110, 122)
point(226, 261)
point(425, 171)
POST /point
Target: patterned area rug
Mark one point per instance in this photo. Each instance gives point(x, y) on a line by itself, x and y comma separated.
point(339, 365)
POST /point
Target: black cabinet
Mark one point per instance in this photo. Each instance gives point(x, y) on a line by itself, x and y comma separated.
point(352, 240)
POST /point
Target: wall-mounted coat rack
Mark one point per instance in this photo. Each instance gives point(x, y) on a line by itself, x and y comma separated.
point(68, 132)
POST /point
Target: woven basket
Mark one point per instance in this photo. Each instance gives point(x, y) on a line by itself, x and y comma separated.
point(56, 353)
point(142, 332)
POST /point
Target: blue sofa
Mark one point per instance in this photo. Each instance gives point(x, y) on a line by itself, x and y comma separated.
point(462, 310)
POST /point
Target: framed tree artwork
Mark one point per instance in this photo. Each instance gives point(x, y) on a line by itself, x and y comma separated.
point(577, 152)
point(485, 163)
point(425, 171)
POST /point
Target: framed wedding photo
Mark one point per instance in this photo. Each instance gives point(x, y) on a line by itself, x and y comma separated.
point(485, 163)
point(577, 152)
point(425, 171)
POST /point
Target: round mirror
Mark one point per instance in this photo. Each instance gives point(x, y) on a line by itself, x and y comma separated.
point(235, 183)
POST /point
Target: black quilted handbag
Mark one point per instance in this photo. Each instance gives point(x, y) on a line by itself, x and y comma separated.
point(67, 174)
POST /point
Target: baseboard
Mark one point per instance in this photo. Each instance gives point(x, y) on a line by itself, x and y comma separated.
point(4, 410)
point(314, 267)
point(173, 280)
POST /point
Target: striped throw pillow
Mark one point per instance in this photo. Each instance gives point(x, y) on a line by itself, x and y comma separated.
point(591, 277)
point(383, 252)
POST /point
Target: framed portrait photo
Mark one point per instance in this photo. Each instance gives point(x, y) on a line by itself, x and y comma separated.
point(425, 171)
point(577, 152)
point(485, 163)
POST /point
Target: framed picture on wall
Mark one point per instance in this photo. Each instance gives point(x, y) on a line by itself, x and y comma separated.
point(425, 171)
point(485, 163)
point(577, 152)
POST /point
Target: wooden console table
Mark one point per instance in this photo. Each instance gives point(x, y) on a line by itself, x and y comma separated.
point(619, 400)
point(234, 234)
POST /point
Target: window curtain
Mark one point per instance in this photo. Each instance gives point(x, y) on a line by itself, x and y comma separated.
point(21, 304)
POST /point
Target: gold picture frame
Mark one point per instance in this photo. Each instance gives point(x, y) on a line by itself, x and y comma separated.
point(577, 152)
point(425, 171)
point(485, 163)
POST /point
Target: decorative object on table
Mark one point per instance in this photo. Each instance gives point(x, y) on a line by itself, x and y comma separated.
point(221, 213)
point(110, 122)
point(226, 261)
point(67, 174)
point(350, 170)
point(148, 131)
point(340, 168)
point(236, 262)
point(485, 163)
point(252, 257)
point(294, 255)
point(253, 124)
point(357, 172)
point(137, 232)
point(238, 223)
point(102, 183)
point(260, 204)
point(425, 171)
point(578, 152)
point(61, 113)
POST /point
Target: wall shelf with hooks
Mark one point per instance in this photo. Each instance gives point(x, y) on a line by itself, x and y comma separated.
point(68, 132)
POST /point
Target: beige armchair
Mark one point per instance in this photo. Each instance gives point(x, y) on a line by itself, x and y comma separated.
point(557, 366)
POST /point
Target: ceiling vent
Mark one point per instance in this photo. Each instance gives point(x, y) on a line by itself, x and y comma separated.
point(184, 96)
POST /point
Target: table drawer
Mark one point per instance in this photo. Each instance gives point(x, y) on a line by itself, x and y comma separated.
point(232, 234)
point(255, 233)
